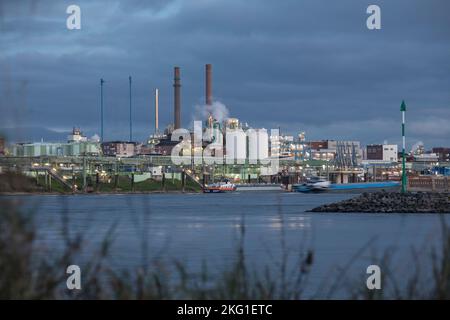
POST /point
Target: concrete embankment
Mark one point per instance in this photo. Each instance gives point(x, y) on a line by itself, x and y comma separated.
point(392, 202)
point(17, 183)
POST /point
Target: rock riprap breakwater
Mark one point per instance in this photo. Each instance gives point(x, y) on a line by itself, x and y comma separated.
point(391, 202)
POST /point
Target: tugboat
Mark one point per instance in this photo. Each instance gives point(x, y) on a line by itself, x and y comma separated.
point(220, 187)
point(313, 184)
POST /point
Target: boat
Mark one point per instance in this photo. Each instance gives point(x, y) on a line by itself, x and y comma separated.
point(313, 184)
point(366, 186)
point(272, 187)
point(320, 185)
point(220, 187)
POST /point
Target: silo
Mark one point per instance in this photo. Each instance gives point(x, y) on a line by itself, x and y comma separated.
point(258, 145)
point(236, 146)
point(263, 144)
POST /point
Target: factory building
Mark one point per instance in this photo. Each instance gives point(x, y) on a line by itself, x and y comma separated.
point(432, 158)
point(38, 149)
point(345, 153)
point(164, 147)
point(76, 136)
point(442, 153)
point(424, 163)
point(287, 146)
point(381, 153)
point(2, 146)
point(77, 145)
point(322, 149)
point(293, 148)
point(120, 149)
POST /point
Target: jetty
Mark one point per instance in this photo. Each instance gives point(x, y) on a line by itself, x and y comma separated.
point(391, 202)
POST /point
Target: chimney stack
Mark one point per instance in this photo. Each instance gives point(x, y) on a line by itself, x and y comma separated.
point(177, 98)
point(208, 95)
point(156, 111)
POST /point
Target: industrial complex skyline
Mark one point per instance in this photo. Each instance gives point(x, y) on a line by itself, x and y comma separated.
point(299, 65)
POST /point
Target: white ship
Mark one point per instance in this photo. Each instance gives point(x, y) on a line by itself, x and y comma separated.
point(313, 184)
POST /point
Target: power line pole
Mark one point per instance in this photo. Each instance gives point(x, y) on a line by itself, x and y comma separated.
point(403, 110)
point(156, 111)
point(101, 109)
point(131, 126)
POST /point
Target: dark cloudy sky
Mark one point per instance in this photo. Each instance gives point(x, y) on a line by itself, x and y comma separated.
point(302, 65)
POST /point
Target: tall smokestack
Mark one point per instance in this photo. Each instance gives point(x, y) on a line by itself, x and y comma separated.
point(208, 94)
point(177, 98)
point(156, 110)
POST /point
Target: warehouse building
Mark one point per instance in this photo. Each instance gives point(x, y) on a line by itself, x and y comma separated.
point(381, 153)
point(76, 145)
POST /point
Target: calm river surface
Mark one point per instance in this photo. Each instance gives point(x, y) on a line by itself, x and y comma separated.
point(196, 228)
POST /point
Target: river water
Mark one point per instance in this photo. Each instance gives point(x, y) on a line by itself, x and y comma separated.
point(198, 228)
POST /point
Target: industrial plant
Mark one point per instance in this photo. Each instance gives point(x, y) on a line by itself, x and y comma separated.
point(226, 141)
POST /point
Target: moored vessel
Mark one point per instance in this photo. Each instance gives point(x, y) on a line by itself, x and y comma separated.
point(220, 187)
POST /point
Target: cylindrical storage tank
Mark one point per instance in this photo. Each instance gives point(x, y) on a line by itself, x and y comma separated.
point(236, 148)
point(252, 135)
point(263, 144)
point(258, 145)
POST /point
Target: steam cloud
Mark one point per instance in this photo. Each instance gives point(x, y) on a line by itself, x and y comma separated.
point(416, 146)
point(218, 110)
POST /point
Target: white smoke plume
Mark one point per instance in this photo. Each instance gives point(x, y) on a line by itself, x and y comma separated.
point(416, 146)
point(218, 110)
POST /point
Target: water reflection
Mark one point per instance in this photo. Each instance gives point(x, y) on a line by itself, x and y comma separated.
point(290, 222)
point(197, 228)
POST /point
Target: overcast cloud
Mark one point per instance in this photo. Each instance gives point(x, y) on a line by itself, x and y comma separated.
point(302, 65)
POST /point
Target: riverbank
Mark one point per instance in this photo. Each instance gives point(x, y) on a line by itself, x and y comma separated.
point(52, 193)
point(391, 202)
point(16, 183)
